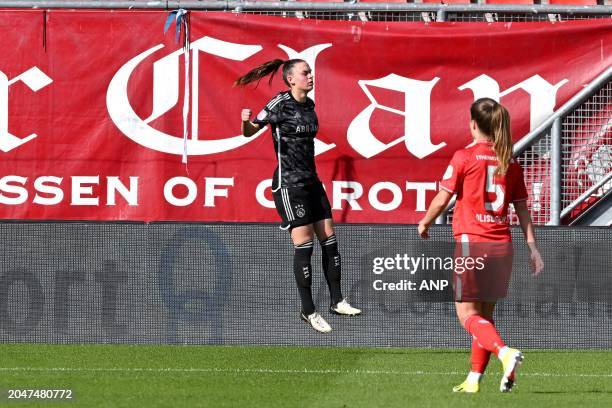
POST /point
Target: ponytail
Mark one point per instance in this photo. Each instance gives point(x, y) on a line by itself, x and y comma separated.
point(494, 121)
point(267, 68)
point(502, 138)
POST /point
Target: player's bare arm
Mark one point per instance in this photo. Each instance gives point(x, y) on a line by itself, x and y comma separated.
point(522, 213)
point(437, 206)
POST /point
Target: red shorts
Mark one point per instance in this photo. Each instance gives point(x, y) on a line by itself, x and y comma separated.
point(482, 271)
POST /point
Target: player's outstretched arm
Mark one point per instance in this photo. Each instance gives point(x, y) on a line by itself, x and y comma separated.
point(522, 213)
point(437, 206)
point(248, 128)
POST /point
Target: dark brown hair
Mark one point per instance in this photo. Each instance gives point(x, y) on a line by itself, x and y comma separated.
point(268, 68)
point(494, 121)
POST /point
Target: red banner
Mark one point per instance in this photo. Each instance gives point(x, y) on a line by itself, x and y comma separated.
point(96, 115)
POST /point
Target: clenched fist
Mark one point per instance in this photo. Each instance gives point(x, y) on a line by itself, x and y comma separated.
point(245, 115)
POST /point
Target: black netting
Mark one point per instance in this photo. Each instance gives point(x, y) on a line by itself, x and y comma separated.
point(233, 284)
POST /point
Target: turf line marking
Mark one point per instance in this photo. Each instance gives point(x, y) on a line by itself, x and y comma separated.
point(275, 371)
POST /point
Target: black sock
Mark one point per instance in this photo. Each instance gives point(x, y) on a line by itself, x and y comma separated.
point(303, 275)
point(331, 267)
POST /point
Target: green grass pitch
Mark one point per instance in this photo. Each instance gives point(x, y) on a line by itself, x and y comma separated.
point(255, 376)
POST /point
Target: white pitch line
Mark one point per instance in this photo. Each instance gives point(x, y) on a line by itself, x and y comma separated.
point(276, 371)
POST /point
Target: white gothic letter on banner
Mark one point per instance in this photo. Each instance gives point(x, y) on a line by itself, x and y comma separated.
point(165, 78)
point(543, 94)
point(34, 79)
point(416, 118)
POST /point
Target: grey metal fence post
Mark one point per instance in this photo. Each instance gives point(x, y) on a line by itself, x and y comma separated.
point(441, 14)
point(555, 173)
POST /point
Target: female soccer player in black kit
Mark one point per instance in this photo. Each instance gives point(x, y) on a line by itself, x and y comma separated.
point(298, 193)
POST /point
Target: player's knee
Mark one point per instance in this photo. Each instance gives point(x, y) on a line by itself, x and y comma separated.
point(329, 244)
point(464, 315)
point(302, 234)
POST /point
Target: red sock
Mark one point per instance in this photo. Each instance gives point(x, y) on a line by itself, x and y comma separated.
point(480, 357)
point(483, 331)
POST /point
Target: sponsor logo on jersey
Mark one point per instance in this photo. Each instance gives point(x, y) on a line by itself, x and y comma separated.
point(491, 219)
point(306, 128)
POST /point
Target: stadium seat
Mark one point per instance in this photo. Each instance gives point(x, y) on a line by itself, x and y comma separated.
point(509, 2)
point(446, 1)
point(574, 2)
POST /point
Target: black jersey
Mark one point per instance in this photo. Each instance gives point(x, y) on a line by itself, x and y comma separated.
point(294, 127)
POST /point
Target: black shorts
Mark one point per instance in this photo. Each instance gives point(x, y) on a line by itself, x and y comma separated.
point(304, 205)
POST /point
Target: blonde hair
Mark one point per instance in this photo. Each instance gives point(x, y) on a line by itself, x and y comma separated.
point(494, 121)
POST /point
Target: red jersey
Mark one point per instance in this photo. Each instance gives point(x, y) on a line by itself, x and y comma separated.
point(481, 212)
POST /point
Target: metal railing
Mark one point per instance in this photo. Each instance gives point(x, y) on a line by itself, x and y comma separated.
point(586, 161)
point(570, 151)
point(345, 11)
point(567, 159)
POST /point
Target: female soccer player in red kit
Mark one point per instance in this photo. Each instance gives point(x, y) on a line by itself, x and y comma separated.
point(486, 180)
